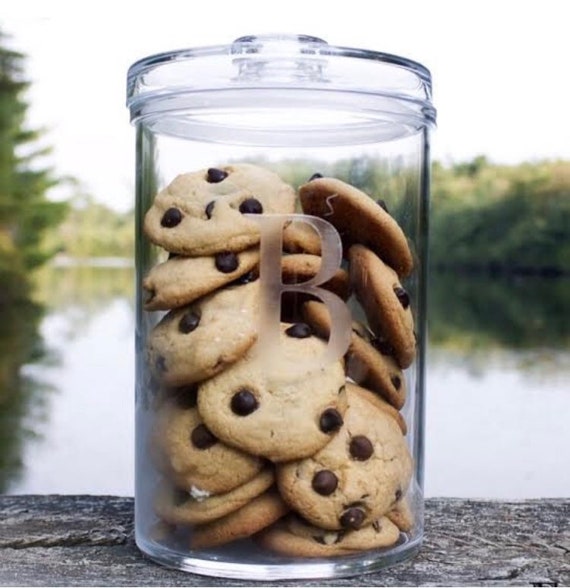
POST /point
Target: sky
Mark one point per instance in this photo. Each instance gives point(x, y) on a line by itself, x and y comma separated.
point(501, 73)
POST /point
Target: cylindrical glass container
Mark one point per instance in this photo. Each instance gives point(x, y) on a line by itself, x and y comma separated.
point(282, 205)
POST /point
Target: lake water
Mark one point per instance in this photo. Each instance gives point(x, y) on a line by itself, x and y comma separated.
point(498, 389)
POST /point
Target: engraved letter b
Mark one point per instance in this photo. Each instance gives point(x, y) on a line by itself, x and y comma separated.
point(271, 227)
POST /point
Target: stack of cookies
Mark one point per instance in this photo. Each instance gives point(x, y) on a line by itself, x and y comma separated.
point(309, 463)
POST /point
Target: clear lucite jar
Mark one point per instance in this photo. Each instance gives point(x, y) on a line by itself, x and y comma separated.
point(282, 202)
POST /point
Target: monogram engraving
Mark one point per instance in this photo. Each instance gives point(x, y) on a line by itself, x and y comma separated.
point(272, 286)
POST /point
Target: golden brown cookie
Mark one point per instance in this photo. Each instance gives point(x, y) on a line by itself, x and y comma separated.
point(250, 519)
point(195, 342)
point(276, 411)
point(202, 213)
point(181, 280)
point(358, 219)
point(189, 455)
point(364, 363)
point(402, 516)
point(375, 371)
point(177, 507)
point(296, 538)
point(385, 302)
point(300, 267)
point(381, 404)
point(357, 477)
point(301, 237)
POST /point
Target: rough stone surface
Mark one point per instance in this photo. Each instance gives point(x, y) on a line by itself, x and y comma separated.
point(88, 541)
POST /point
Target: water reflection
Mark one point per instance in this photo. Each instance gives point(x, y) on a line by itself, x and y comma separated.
point(498, 374)
point(39, 331)
point(482, 312)
point(89, 288)
point(20, 394)
point(497, 387)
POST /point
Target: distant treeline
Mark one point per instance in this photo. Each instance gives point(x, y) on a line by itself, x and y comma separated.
point(484, 217)
point(92, 229)
point(501, 219)
point(480, 312)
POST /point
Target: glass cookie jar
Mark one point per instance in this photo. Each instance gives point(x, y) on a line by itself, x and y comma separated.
point(282, 200)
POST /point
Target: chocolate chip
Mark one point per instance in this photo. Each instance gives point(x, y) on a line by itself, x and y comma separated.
point(324, 482)
point(210, 208)
point(189, 322)
point(227, 261)
point(330, 421)
point(171, 218)
point(382, 346)
point(315, 176)
point(398, 494)
point(396, 382)
point(179, 497)
point(248, 277)
point(244, 402)
point(160, 364)
point(299, 331)
point(382, 204)
point(361, 448)
point(251, 206)
point(202, 437)
point(377, 526)
point(215, 175)
point(186, 396)
point(359, 330)
point(342, 389)
point(352, 518)
point(402, 295)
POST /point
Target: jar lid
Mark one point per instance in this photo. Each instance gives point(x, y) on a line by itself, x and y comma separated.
point(277, 72)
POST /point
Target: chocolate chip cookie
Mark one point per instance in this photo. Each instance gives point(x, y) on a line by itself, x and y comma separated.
point(365, 363)
point(357, 477)
point(300, 267)
point(194, 459)
point(178, 507)
point(182, 280)
point(248, 520)
point(297, 538)
point(202, 213)
point(385, 301)
point(195, 342)
point(280, 414)
point(358, 219)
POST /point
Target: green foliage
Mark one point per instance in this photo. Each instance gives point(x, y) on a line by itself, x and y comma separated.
point(25, 211)
point(468, 312)
point(484, 217)
point(508, 219)
point(25, 214)
point(19, 344)
point(91, 229)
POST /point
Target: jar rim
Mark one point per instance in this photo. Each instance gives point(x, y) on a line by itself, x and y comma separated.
point(279, 62)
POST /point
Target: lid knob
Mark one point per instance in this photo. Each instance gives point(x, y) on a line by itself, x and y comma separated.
point(271, 57)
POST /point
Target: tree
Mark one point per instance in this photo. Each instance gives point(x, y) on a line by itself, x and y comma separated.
point(503, 219)
point(25, 210)
point(25, 214)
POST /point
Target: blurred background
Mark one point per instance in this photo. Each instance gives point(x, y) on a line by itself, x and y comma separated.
point(498, 381)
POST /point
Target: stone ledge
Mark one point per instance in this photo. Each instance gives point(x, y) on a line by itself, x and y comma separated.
point(60, 540)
